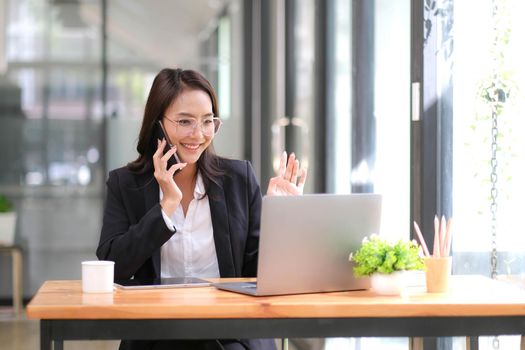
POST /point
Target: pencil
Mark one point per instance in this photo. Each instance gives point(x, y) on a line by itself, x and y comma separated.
point(436, 250)
point(448, 239)
point(421, 239)
point(442, 235)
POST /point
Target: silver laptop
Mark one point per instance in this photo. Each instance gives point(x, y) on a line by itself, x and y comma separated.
point(305, 242)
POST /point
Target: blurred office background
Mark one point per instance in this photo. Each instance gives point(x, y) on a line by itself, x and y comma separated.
point(385, 96)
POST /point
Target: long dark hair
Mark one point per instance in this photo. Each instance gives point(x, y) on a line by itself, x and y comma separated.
point(167, 86)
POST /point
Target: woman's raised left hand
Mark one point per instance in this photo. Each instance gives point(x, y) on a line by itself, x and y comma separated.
point(290, 180)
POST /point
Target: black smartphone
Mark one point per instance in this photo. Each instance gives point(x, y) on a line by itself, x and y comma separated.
point(161, 134)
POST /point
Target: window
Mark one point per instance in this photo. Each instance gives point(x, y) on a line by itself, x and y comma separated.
point(478, 57)
point(389, 115)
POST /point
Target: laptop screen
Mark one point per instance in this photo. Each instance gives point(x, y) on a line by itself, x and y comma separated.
point(305, 241)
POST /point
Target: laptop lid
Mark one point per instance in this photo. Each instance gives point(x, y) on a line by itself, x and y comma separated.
point(305, 241)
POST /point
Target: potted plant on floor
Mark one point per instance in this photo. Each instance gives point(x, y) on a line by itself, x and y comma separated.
point(7, 222)
point(386, 263)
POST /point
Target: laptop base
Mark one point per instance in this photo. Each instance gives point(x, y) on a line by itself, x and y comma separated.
point(249, 288)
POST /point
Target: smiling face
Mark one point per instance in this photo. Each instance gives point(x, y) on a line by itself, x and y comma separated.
point(189, 106)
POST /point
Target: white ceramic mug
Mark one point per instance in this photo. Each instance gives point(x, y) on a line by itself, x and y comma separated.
point(97, 276)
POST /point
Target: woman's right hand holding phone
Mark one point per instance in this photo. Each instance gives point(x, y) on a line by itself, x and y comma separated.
point(172, 194)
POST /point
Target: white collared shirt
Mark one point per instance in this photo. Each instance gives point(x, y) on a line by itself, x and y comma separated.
point(191, 250)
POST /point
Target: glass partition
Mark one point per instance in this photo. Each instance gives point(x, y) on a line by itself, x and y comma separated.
point(389, 95)
point(51, 131)
point(57, 137)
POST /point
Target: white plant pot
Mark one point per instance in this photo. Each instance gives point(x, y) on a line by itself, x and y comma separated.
point(389, 284)
point(7, 228)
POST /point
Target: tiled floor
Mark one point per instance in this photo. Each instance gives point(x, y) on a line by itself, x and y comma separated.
point(19, 333)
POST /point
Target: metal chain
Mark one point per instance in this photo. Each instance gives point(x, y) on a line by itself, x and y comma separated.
point(494, 194)
point(496, 99)
point(495, 343)
point(494, 204)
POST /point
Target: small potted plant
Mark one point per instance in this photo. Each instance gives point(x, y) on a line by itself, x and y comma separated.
point(7, 222)
point(386, 263)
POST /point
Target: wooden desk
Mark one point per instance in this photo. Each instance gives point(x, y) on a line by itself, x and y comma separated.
point(474, 306)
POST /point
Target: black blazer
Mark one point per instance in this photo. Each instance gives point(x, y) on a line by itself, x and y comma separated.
point(133, 229)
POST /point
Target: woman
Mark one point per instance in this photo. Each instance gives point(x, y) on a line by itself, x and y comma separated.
point(199, 217)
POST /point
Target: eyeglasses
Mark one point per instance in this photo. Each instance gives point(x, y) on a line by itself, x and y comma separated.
point(186, 126)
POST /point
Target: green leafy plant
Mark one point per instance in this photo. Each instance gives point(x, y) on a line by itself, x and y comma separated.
point(379, 255)
point(5, 205)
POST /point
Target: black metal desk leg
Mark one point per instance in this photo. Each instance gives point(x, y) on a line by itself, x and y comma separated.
point(58, 344)
point(45, 335)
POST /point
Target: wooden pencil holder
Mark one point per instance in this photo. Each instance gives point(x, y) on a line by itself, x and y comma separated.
point(437, 273)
